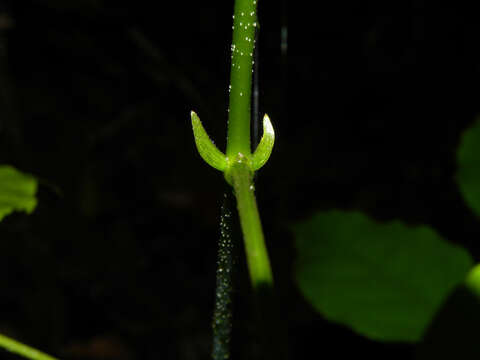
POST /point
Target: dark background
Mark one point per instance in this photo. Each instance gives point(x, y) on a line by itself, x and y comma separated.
point(118, 260)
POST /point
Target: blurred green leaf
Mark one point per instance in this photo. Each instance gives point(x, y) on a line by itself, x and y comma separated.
point(468, 172)
point(385, 281)
point(17, 191)
point(472, 281)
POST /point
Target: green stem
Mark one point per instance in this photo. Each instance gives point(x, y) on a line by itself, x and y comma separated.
point(244, 24)
point(255, 249)
point(238, 164)
point(239, 169)
point(22, 349)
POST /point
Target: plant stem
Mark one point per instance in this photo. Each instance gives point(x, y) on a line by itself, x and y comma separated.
point(244, 24)
point(22, 349)
point(255, 249)
point(239, 172)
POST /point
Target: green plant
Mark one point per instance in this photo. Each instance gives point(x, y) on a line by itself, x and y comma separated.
point(384, 280)
point(388, 281)
point(22, 349)
point(18, 193)
point(238, 163)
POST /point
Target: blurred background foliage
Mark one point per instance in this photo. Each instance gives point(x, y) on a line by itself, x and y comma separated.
point(118, 260)
point(386, 281)
point(17, 191)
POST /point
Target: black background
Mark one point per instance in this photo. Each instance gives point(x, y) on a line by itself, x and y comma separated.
point(118, 260)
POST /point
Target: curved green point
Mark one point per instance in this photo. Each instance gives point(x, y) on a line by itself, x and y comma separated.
point(264, 148)
point(206, 148)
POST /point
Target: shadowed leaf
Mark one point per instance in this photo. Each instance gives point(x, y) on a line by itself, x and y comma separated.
point(468, 172)
point(385, 281)
point(17, 191)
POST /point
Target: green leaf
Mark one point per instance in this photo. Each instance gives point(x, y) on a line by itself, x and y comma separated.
point(385, 281)
point(264, 149)
point(205, 146)
point(17, 191)
point(468, 171)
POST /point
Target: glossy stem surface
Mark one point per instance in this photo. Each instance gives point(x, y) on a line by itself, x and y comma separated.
point(243, 41)
point(255, 249)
